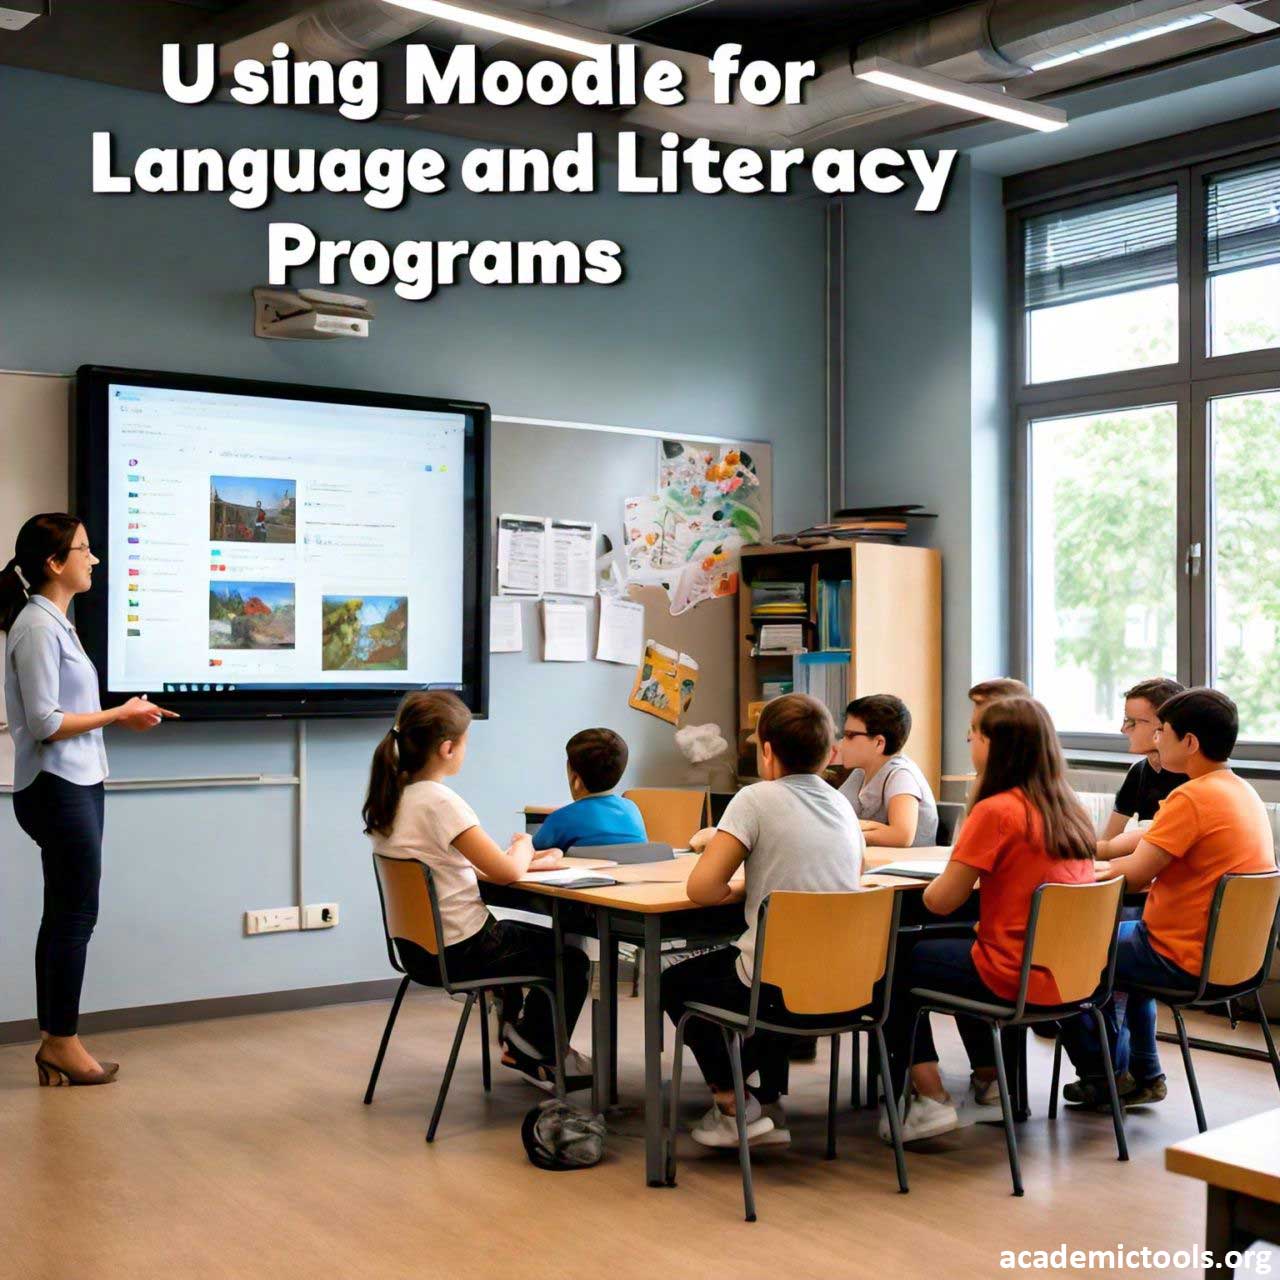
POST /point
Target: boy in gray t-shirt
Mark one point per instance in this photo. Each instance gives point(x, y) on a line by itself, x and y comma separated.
point(892, 798)
point(790, 831)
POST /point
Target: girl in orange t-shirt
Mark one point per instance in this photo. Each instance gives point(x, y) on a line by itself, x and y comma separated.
point(1025, 828)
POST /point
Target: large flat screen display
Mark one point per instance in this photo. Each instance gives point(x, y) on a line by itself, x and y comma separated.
point(276, 549)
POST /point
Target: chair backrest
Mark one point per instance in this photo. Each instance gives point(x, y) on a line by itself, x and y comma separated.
point(1071, 934)
point(826, 951)
point(1242, 928)
point(671, 815)
point(625, 854)
point(950, 815)
point(408, 913)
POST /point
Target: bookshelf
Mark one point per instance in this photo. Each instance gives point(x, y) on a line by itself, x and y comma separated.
point(894, 629)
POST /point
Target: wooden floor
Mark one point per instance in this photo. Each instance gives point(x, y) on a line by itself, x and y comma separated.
point(240, 1148)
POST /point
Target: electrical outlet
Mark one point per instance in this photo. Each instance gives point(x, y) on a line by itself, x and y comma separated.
point(271, 920)
point(320, 915)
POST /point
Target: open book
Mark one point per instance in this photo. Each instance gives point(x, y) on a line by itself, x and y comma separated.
point(568, 878)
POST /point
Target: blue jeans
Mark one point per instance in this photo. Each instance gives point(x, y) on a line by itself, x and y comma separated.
point(1131, 1020)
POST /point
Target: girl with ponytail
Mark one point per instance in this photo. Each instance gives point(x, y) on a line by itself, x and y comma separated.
point(411, 812)
point(60, 762)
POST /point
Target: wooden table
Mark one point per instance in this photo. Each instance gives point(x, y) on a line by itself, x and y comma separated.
point(1240, 1167)
point(648, 906)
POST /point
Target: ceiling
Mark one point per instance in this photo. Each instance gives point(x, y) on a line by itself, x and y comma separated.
point(118, 42)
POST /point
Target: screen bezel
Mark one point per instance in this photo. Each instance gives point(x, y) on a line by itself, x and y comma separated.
point(90, 464)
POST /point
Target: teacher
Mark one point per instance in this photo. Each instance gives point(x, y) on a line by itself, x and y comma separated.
point(56, 719)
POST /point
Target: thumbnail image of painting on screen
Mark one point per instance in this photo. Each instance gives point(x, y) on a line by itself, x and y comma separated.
point(273, 543)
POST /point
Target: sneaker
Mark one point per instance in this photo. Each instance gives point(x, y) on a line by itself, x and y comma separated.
point(541, 1072)
point(1145, 1092)
point(986, 1093)
point(926, 1118)
point(716, 1129)
point(780, 1134)
point(1091, 1092)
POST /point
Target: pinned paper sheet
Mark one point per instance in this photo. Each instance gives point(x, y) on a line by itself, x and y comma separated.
point(571, 558)
point(522, 555)
point(506, 630)
point(564, 631)
point(621, 637)
point(664, 683)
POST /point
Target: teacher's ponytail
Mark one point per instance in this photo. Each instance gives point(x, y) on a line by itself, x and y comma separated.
point(43, 538)
point(425, 721)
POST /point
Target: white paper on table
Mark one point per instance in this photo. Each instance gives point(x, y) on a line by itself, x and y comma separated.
point(621, 637)
point(571, 558)
point(564, 631)
point(522, 555)
point(506, 630)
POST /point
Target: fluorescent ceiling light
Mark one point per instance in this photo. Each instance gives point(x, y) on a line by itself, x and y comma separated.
point(1245, 19)
point(503, 26)
point(1119, 41)
point(981, 99)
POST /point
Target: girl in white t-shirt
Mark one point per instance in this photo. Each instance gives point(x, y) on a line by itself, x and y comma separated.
point(411, 813)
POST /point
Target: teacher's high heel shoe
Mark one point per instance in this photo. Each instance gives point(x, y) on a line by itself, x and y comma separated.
point(53, 1075)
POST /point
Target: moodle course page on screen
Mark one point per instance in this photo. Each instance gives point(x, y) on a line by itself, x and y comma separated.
point(265, 542)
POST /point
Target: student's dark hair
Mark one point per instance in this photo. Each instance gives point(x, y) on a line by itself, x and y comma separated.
point(424, 720)
point(799, 730)
point(1156, 691)
point(1000, 687)
point(886, 715)
point(1210, 715)
point(598, 757)
point(43, 538)
point(1024, 755)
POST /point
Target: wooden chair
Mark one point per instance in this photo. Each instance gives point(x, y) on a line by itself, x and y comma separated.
point(825, 952)
point(1071, 934)
point(1240, 940)
point(671, 816)
point(411, 914)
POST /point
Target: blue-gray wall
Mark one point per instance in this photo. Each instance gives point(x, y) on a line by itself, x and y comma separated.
point(717, 329)
point(927, 407)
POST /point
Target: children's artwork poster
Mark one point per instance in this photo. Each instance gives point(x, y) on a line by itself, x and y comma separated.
point(687, 536)
point(665, 681)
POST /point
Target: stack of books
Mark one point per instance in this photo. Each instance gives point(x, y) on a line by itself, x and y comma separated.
point(835, 614)
point(778, 600)
point(824, 676)
point(781, 637)
point(770, 689)
point(861, 524)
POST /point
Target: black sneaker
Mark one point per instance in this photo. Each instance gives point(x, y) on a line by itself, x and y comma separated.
point(542, 1074)
point(1091, 1093)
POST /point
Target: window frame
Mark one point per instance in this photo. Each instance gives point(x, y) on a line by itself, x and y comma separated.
point(1191, 384)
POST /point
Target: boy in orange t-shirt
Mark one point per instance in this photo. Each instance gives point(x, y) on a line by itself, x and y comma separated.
point(1211, 826)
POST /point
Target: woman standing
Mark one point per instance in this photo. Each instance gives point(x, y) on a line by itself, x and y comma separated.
point(56, 719)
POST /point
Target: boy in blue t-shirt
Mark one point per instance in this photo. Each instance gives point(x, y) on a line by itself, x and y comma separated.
point(597, 759)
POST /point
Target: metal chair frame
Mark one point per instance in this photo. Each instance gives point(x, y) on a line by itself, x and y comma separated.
point(473, 989)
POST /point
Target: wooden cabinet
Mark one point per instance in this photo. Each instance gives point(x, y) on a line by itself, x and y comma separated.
point(894, 631)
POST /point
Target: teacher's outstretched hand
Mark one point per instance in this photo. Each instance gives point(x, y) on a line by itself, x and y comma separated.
point(60, 764)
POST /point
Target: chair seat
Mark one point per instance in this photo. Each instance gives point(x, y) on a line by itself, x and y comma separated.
point(945, 1000)
point(1187, 999)
point(738, 1021)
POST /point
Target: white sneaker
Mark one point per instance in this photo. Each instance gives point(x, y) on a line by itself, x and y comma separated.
point(926, 1118)
point(716, 1129)
point(780, 1134)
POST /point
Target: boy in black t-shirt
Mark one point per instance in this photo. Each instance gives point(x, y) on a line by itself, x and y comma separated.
point(1146, 784)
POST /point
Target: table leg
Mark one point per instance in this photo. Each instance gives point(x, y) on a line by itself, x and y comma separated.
point(613, 1024)
point(604, 1014)
point(562, 1037)
point(1219, 1229)
point(653, 1154)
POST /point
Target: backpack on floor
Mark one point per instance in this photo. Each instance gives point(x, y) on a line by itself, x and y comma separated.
point(557, 1136)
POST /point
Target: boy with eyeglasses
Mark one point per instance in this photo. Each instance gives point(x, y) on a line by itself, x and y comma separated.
point(1147, 783)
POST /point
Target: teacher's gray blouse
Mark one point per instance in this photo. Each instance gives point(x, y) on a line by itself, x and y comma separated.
point(48, 673)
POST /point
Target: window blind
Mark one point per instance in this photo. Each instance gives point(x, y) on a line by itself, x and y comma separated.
point(1096, 250)
point(1243, 222)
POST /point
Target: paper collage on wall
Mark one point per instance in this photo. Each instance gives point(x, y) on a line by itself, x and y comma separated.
point(686, 537)
point(664, 683)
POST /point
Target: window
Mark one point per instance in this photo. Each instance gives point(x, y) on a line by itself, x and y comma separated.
point(1103, 538)
point(1150, 446)
point(1242, 259)
point(1101, 287)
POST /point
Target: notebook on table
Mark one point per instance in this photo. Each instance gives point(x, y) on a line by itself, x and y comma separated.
point(918, 869)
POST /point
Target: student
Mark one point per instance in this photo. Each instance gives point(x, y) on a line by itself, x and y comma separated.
point(988, 691)
point(597, 759)
point(790, 831)
point(1025, 828)
point(1213, 825)
point(1147, 783)
point(411, 813)
point(892, 798)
